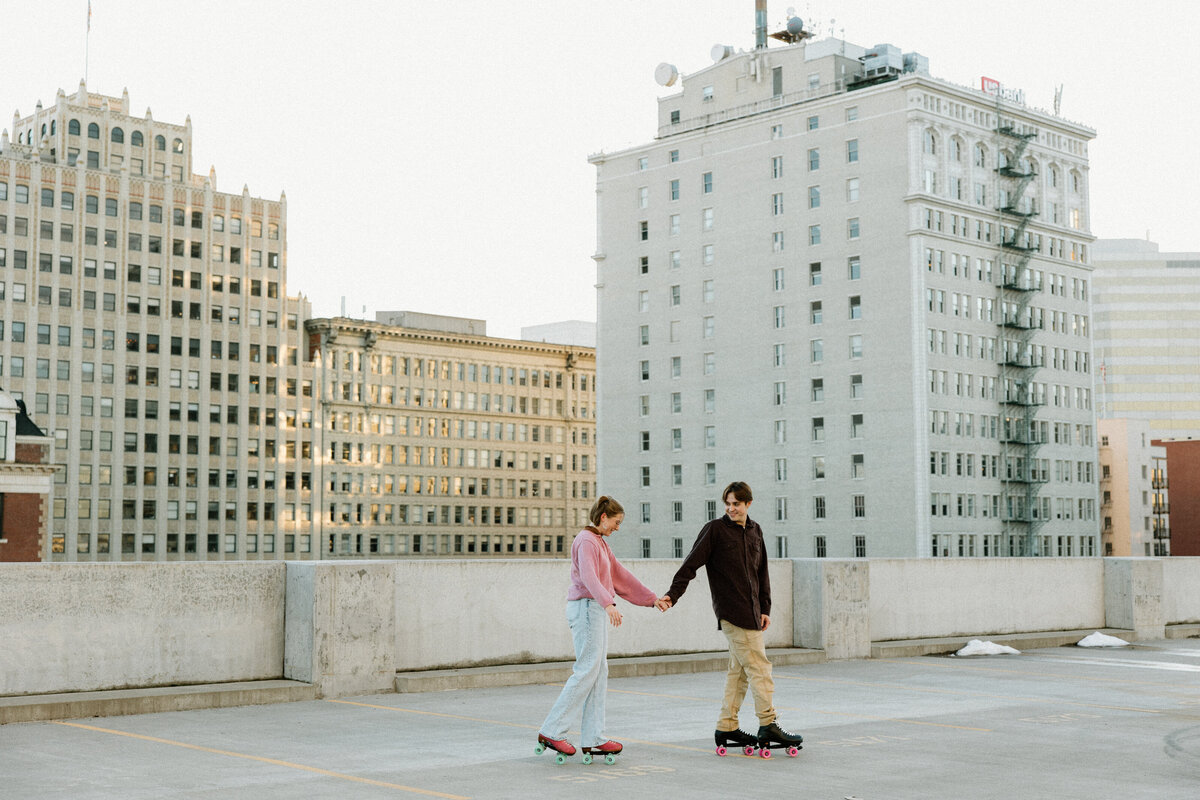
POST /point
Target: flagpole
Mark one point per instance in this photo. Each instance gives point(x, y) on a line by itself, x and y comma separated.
point(87, 42)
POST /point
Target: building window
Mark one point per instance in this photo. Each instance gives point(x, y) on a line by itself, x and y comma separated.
point(818, 507)
point(858, 467)
point(852, 151)
point(706, 183)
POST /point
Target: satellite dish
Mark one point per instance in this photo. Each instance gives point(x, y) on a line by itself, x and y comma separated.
point(720, 52)
point(666, 74)
point(795, 26)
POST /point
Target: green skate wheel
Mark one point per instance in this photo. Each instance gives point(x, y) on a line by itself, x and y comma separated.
point(560, 759)
point(587, 758)
point(541, 748)
point(610, 759)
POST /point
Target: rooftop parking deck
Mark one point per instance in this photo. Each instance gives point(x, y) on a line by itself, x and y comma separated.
point(1054, 722)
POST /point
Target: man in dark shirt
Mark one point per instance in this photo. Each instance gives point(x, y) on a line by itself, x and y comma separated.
point(732, 551)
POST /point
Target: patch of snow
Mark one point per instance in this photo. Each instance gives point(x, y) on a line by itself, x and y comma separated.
point(1099, 639)
point(975, 647)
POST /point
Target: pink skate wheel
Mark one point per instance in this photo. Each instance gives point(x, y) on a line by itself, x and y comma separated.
point(721, 750)
point(765, 753)
point(748, 749)
point(793, 751)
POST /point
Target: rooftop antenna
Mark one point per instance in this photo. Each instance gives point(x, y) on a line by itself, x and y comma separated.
point(760, 24)
point(1058, 99)
point(87, 40)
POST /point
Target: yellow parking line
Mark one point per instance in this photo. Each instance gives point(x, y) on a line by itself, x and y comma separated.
point(497, 722)
point(433, 714)
point(261, 759)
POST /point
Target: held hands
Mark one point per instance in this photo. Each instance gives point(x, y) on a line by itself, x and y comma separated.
point(614, 616)
point(663, 603)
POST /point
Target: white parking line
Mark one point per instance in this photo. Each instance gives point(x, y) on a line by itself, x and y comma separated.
point(1132, 663)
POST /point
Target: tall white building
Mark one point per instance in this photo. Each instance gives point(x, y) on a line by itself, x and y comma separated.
point(859, 288)
point(146, 324)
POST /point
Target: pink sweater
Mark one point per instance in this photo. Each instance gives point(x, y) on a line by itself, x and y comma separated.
point(596, 573)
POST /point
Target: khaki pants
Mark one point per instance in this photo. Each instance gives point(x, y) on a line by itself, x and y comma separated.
point(748, 665)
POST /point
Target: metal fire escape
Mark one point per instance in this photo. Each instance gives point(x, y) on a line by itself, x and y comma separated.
point(1019, 359)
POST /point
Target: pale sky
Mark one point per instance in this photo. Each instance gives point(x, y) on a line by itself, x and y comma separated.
point(434, 154)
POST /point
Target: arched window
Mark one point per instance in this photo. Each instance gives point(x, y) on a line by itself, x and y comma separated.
point(956, 149)
point(930, 143)
point(43, 129)
point(73, 127)
point(980, 155)
point(117, 136)
point(160, 142)
point(53, 127)
point(93, 130)
point(177, 146)
point(135, 138)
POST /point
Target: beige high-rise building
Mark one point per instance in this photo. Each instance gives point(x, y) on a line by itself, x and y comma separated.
point(1133, 490)
point(859, 288)
point(435, 439)
point(1147, 336)
point(145, 321)
point(146, 324)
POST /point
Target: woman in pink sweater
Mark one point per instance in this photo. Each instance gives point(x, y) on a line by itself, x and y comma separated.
point(597, 578)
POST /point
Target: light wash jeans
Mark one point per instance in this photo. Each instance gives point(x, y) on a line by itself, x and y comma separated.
point(588, 683)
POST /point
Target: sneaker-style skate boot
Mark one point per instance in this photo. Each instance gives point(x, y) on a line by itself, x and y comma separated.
point(737, 738)
point(773, 735)
point(561, 746)
point(609, 750)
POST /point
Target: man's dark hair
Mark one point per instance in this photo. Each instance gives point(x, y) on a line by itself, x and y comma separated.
point(741, 491)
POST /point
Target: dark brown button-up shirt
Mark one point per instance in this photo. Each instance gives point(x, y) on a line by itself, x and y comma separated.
point(735, 560)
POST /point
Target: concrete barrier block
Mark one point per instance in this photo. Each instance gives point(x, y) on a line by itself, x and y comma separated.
point(340, 626)
point(832, 610)
point(1133, 596)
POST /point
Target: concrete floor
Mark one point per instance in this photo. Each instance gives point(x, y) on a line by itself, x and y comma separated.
point(1061, 722)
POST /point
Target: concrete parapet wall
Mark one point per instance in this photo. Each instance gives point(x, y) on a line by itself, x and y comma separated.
point(88, 627)
point(464, 613)
point(918, 598)
point(347, 627)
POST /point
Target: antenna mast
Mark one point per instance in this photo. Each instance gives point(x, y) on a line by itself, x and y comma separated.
point(760, 24)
